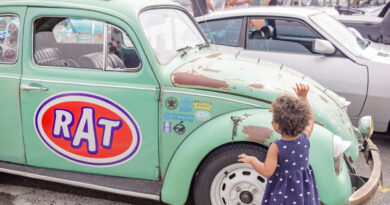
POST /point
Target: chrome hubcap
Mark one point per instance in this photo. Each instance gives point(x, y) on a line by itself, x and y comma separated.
point(237, 184)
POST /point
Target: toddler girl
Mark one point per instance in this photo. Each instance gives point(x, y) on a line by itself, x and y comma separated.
point(290, 177)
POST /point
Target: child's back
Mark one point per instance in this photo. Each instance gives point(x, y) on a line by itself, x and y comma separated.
point(292, 181)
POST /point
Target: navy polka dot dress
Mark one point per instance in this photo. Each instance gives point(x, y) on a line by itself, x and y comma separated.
point(293, 181)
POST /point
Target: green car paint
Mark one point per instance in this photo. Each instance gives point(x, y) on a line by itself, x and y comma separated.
point(184, 108)
point(11, 140)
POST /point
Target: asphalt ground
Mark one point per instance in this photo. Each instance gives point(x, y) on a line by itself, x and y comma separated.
point(16, 190)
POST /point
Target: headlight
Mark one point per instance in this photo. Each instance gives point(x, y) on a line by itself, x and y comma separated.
point(344, 103)
point(339, 147)
point(366, 126)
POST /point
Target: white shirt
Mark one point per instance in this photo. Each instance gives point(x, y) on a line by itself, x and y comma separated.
point(242, 5)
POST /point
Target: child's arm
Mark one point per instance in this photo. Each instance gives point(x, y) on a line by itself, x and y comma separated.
point(267, 168)
point(301, 90)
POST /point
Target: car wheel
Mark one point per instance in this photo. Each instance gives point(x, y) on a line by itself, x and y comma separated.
point(220, 180)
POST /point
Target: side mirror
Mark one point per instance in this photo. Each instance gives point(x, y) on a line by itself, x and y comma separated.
point(323, 47)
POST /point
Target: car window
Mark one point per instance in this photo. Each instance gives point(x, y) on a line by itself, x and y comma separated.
point(266, 34)
point(9, 32)
point(80, 43)
point(223, 32)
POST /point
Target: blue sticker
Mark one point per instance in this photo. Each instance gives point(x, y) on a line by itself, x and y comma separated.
point(202, 115)
point(186, 104)
point(178, 116)
point(167, 126)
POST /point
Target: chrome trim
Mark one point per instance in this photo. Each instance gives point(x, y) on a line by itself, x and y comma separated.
point(12, 77)
point(105, 27)
point(29, 87)
point(212, 96)
point(90, 84)
point(81, 184)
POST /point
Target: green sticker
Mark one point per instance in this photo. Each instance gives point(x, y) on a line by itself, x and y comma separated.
point(171, 103)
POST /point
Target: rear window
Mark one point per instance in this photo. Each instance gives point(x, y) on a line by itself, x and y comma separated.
point(9, 37)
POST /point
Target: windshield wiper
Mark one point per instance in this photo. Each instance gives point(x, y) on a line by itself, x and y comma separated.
point(201, 45)
point(183, 50)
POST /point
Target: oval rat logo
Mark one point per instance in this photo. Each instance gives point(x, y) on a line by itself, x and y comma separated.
point(87, 129)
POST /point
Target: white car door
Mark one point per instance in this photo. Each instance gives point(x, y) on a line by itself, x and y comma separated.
point(289, 42)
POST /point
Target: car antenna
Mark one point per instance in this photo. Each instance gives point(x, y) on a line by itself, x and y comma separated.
point(207, 25)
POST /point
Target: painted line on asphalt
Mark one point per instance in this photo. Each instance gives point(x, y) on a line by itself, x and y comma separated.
point(383, 189)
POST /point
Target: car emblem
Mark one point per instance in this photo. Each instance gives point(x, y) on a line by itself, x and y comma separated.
point(171, 103)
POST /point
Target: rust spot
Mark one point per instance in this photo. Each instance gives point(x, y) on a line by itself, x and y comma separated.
point(212, 70)
point(257, 134)
point(247, 115)
point(214, 55)
point(193, 61)
point(350, 130)
point(323, 98)
point(195, 79)
point(258, 86)
point(343, 121)
point(234, 87)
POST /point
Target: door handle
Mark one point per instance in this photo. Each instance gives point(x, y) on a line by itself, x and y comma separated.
point(29, 87)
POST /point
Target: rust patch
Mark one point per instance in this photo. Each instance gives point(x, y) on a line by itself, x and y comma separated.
point(212, 70)
point(350, 130)
point(323, 99)
point(193, 61)
point(234, 87)
point(257, 134)
point(258, 86)
point(214, 55)
point(195, 79)
point(247, 115)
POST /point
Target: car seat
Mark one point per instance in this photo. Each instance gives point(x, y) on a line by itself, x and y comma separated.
point(46, 52)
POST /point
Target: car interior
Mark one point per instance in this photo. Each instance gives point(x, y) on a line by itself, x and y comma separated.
point(81, 54)
point(281, 35)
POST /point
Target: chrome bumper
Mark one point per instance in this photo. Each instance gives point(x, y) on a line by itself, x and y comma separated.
point(366, 192)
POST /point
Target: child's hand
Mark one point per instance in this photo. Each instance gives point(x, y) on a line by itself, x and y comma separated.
point(301, 90)
point(246, 159)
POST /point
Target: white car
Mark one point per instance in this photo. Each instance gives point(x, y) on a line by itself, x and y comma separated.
point(314, 43)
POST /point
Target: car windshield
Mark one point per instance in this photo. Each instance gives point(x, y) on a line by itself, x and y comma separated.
point(352, 41)
point(170, 32)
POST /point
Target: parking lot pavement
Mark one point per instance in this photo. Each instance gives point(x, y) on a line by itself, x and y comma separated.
point(15, 190)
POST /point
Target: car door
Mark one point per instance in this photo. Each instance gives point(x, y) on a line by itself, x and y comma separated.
point(11, 138)
point(289, 42)
point(89, 98)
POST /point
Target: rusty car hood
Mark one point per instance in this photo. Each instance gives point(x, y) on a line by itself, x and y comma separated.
point(262, 80)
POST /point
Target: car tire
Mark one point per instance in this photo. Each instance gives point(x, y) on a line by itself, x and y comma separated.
point(221, 180)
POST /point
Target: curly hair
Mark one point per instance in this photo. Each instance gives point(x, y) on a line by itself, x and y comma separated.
point(291, 115)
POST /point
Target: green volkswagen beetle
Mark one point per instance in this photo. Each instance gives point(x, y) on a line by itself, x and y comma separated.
point(127, 96)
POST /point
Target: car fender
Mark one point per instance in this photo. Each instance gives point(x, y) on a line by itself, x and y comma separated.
point(194, 149)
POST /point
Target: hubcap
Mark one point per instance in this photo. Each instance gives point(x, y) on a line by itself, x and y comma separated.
point(237, 184)
point(246, 197)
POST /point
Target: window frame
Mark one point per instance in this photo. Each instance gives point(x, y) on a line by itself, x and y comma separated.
point(19, 34)
point(282, 18)
point(105, 46)
point(242, 28)
point(185, 11)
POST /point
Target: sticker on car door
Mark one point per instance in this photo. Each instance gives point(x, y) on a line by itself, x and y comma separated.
point(87, 129)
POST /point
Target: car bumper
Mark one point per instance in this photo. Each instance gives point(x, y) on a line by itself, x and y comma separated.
point(367, 190)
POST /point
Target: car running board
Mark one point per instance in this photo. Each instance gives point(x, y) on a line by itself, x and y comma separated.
point(119, 185)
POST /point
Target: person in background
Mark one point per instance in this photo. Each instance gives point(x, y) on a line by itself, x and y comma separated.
point(240, 3)
point(200, 7)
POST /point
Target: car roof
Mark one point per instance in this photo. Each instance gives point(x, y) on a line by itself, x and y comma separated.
point(295, 12)
point(113, 7)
